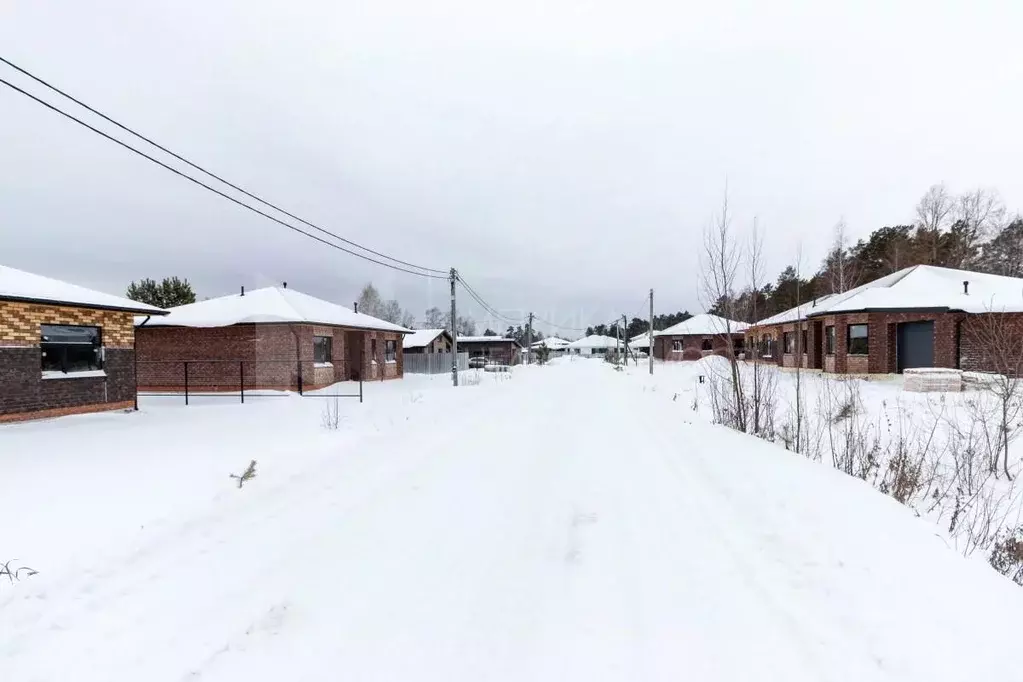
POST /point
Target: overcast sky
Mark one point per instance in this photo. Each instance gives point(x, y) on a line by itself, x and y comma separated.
point(564, 156)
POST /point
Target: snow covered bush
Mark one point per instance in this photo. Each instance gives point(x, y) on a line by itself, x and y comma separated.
point(247, 475)
point(16, 572)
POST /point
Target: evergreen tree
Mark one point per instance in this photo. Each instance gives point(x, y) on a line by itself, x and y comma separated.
point(171, 292)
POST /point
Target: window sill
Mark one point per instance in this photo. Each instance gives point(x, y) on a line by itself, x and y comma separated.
point(857, 355)
point(92, 374)
point(391, 362)
point(321, 365)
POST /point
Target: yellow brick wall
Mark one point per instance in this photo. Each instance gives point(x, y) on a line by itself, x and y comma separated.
point(20, 323)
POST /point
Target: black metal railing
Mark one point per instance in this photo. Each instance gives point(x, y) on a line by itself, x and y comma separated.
point(244, 379)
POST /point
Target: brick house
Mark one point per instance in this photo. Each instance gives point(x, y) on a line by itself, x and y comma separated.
point(498, 349)
point(64, 349)
point(921, 316)
point(699, 336)
point(427, 341)
point(271, 338)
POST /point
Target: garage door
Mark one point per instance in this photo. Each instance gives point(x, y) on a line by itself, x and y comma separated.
point(915, 345)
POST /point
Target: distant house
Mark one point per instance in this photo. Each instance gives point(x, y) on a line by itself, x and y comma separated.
point(496, 349)
point(594, 345)
point(921, 316)
point(427, 341)
point(640, 343)
point(553, 344)
point(64, 349)
point(275, 338)
point(699, 336)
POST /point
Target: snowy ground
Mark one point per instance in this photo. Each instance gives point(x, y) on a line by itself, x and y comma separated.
point(560, 523)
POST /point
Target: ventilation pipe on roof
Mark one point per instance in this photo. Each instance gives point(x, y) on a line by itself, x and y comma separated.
point(355, 306)
point(285, 285)
point(243, 291)
point(966, 286)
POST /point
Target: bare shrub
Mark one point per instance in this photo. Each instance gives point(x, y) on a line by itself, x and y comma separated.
point(247, 475)
point(1007, 554)
point(16, 572)
point(331, 415)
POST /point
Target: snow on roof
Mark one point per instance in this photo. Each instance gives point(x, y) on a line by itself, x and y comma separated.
point(595, 341)
point(703, 324)
point(18, 285)
point(271, 304)
point(486, 339)
point(640, 340)
point(421, 337)
point(917, 287)
point(552, 342)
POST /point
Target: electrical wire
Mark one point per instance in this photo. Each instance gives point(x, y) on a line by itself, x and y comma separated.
point(212, 189)
point(486, 306)
point(210, 173)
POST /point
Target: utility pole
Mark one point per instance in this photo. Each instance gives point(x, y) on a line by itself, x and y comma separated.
point(625, 340)
point(618, 351)
point(454, 331)
point(529, 340)
point(650, 336)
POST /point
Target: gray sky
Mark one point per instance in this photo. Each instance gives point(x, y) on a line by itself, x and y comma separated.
point(564, 156)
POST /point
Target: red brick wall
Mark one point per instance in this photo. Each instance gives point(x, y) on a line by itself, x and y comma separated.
point(692, 346)
point(269, 355)
point(991, 343)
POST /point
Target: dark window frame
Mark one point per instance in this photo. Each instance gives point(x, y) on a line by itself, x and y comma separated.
point(323, 349)
point(829, 339)
point(853, 344)
point(803, 339)
point(706, 345)
point(390, 350)
point(788, 342)
point(66, 346)
point(677, 346)
point(373, 350)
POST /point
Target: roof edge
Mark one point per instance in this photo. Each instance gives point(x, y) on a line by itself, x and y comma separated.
point(87, 306)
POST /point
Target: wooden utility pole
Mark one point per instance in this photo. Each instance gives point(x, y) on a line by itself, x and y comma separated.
point(454, 331)
point(529, 340)
point(650, 336)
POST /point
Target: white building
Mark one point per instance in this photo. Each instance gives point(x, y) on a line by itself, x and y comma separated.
point(593, 345)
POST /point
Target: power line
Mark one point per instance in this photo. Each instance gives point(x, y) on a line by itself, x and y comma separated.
point(561, 326)
point(203, 170)
point(486, 306)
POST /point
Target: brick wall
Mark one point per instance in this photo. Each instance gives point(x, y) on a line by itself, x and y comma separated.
point(504, 352)
point(692, 346)
point(991, 342)
point(270, 355)
point(23, 391)
point(20, 323)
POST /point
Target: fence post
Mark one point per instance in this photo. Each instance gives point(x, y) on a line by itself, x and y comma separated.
point(241, 374)
point(360, 388)
point(186, 383)
point(300, 378)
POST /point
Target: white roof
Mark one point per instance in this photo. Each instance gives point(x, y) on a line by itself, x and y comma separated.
point(702, 325)
point(485, 339)
point(24, 286)
point(640, 340)
point(271, 304)
point(552, 342)
point(421, 337)
point(595, 341)
point(918, 287)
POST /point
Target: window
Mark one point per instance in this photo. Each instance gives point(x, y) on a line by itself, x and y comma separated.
point(390, 351)
point(323, 348)
point(68, 349)
point(789, 342)
point(739, 344)
point(829, 340)
point(676, 346)
point(372, 350)
point(858, 342)
point(802, 340)
point(706, 345)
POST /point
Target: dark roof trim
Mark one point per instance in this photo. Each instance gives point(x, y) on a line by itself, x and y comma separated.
point(71, 304)
point(932, 309)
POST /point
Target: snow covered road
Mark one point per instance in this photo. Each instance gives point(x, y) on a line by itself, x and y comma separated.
point(568, 524)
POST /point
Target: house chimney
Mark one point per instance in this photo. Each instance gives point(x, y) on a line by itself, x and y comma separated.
point(966, 287)
point(243, 290)
point(355, 306)
point(285, 285)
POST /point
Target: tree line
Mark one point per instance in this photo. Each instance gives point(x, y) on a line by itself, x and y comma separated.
point(970, 231)
point(638, 325)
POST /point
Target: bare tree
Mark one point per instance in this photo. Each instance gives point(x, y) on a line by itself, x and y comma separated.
point(762, 384)
point(840, 270)
point(408, 320)
point(799, 349)
point(977, 216)
point(720, 267)
point(434, 319)
point(993, 340)
point(933, 214)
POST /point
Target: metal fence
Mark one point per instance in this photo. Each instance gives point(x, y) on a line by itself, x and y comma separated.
point(190, 379)
point(433, 363)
